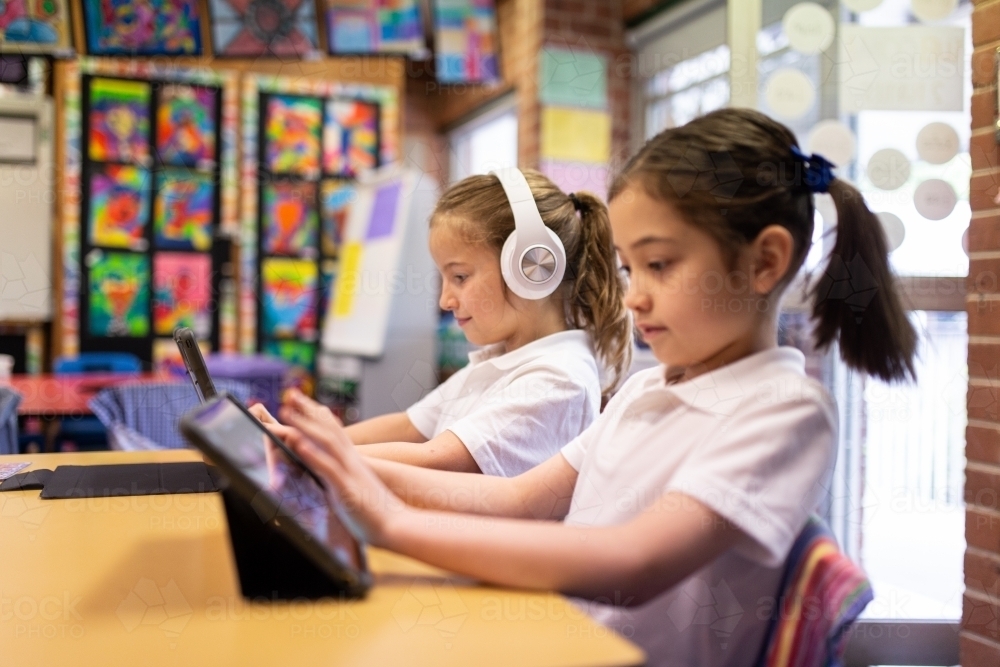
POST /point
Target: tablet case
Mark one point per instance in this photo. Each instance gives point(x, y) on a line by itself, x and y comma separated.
point(129, 479)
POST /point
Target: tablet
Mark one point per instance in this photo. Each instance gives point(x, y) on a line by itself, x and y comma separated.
point(282, 489)
point(194, 363)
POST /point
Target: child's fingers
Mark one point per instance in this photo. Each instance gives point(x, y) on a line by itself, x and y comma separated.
point(260, 412)
point(319, 433)
point(315, 456)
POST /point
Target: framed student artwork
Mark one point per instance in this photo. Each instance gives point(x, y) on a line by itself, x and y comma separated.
point(258, 28)
point(186, 126)
point(151, 196)
point(118, 289)
point(119, 121)
point(119, 206)
point(35, 26)
point(374, 26)
point(465, 41)
point(142, 27)
point(304, 142)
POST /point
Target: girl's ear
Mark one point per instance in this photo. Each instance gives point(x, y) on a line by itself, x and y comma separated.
point(771, 255)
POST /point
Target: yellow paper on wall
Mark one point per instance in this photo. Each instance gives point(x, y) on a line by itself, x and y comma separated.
point(348, 279)
point(576, 135)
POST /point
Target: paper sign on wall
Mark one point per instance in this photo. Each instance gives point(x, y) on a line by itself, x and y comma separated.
point(357, 318)
point(577, 176)
point(918, 68)
point(573, 78)
point(575, 135)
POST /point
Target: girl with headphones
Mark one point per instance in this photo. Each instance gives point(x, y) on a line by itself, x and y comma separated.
point(531, 277)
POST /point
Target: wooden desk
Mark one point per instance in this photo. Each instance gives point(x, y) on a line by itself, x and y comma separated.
point(150, 580)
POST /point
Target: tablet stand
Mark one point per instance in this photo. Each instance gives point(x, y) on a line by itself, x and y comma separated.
point(269, 566)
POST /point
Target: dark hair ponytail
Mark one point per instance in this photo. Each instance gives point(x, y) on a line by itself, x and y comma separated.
point(855, 301)
point(735, 171)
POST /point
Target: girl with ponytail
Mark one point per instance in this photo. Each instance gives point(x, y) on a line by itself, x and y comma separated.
point(538, 380)
point(673, 514)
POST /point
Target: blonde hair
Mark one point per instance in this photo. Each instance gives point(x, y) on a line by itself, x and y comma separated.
point(592, 286)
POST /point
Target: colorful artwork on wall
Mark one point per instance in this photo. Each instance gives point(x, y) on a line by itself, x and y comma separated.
point(119, 207)
point(350, 137)
point(289, 291)
point(119, 121)
point(382, 26)
point(465, 40)
point(34, 26)
point(182, 214)
point(294, 352)
point(292, 135)
point(185, 126)
point(253, 28)
point(335, 204)
point(182, 292)
point(290, 218)
point(142, 27)
point(119, 294)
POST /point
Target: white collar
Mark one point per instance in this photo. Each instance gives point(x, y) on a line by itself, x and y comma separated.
point(721, 390)
point(505, 361)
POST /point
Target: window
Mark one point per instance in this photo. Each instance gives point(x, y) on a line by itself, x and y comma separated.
point(487, 142)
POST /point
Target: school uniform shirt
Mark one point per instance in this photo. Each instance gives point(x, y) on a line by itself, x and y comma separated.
point(755, 441)
point(516, 409)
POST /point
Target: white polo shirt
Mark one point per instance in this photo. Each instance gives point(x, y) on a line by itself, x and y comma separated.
point(514, 410)
point(756, 442)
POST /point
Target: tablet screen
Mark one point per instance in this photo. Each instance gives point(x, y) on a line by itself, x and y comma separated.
point(249, 448)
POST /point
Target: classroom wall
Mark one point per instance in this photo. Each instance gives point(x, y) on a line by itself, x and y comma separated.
point(980, 638)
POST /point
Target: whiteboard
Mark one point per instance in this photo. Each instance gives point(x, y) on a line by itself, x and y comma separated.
point(26, 203)
point(368, 274)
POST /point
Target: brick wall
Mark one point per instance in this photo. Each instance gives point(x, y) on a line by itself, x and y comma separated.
point(598, 26)
point(980, 639)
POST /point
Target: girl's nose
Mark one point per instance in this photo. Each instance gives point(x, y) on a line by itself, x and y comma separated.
point(635, 297)
point(447, 300)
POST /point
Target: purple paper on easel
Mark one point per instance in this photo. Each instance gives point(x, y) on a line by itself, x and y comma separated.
point(383, 212)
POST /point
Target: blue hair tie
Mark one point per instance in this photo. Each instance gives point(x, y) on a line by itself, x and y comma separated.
point(818, 170)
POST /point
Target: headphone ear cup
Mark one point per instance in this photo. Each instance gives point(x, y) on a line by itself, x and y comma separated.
point(507, 268)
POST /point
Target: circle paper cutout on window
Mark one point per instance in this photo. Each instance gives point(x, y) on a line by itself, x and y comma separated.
point(790, 93)
point(862, 5)
point(833, 140)
point(933, 10)
point(888, 169)
point(937, 143)
point(894, 230)
point(935, 199)
point(965, 241)
point(809, 27)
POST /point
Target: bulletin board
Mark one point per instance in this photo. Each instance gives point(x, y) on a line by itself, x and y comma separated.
point(150, 182)
point(304, 144)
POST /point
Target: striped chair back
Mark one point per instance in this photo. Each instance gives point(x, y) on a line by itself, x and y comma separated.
point(822, 593)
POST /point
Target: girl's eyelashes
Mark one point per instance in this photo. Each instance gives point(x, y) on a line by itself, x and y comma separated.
point(660, 266)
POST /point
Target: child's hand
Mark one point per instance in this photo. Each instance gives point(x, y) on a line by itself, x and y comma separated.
point(260, 412)
point(294, 399)
point(371, 505)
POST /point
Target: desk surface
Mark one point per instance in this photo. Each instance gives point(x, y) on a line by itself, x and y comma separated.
point(150, 580)
point(67, 395)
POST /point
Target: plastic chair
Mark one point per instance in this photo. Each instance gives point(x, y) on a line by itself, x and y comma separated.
point(821, 596)
point(145, 416)
point(265, 375)
point(97, 362)
point(9, 400)
point(88, 432)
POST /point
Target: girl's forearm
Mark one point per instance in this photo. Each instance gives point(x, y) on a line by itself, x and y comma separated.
point(394, 427)
point(587, 562)
point(470, 493)
point(627, 564)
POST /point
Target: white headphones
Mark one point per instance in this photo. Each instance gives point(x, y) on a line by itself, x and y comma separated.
point(533, 260)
